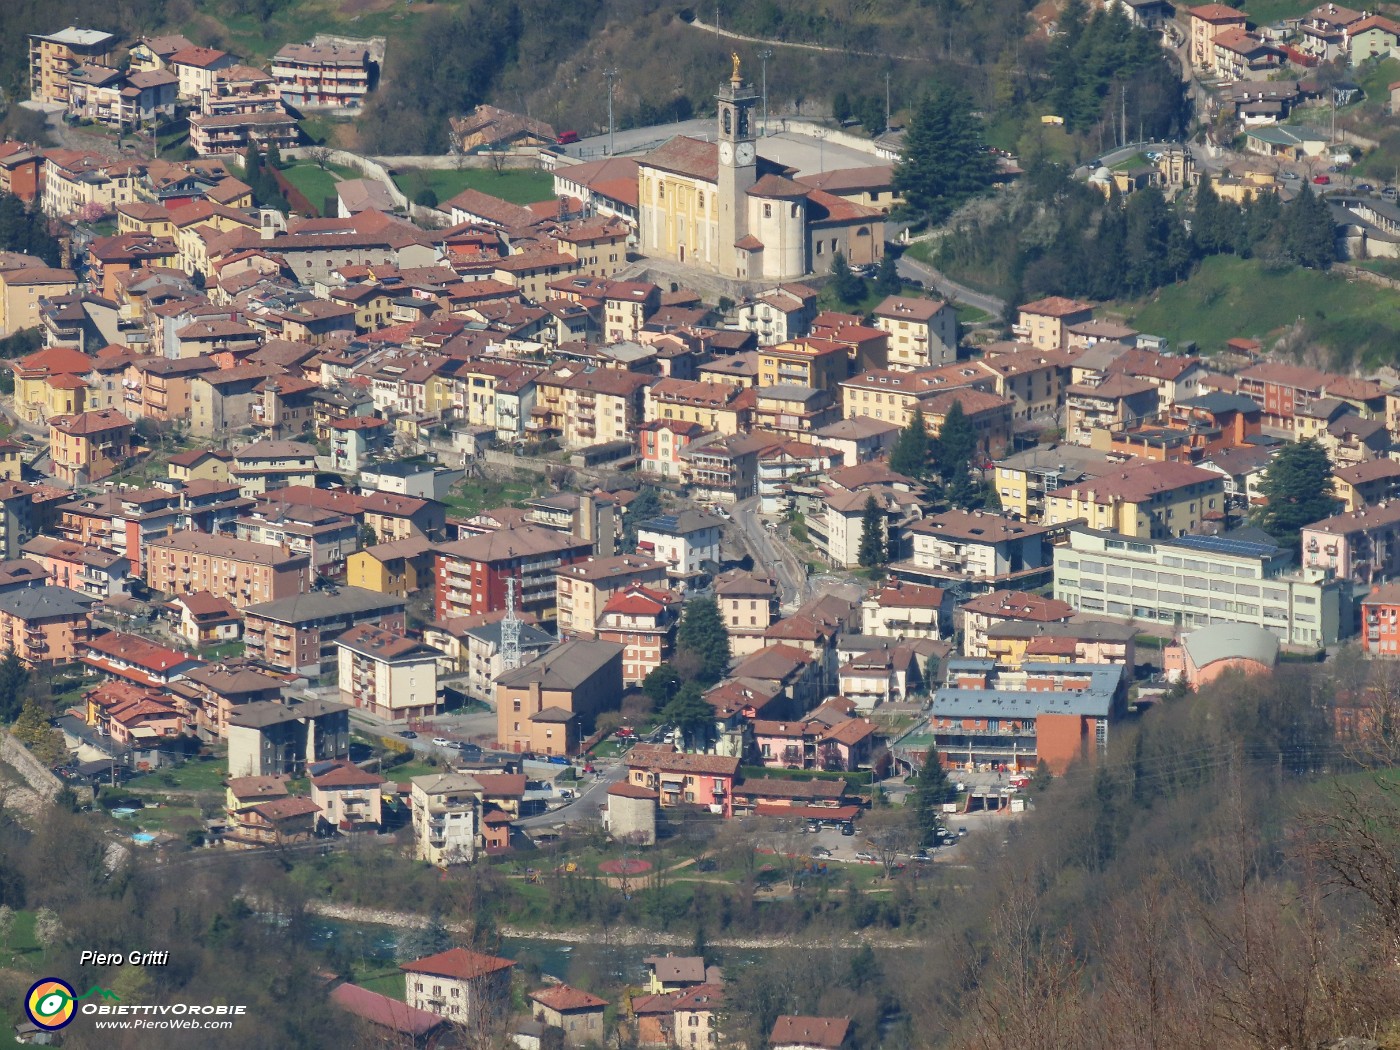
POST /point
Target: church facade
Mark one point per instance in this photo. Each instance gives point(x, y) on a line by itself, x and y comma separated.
point(720, 207)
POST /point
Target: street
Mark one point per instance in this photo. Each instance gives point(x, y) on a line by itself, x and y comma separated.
point(912, 269)
point(769, 552)
point(587, 805)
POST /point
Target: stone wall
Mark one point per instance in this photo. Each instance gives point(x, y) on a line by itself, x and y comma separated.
point(35, 775)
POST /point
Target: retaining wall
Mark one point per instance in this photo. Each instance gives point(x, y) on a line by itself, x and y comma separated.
point(35, 775)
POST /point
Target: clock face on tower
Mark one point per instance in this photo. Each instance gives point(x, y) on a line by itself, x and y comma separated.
point(726, 153)
point(745, 153)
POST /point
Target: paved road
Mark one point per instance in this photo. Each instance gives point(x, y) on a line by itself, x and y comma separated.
point(585, 807)
point(912, 269)
point(770, 552)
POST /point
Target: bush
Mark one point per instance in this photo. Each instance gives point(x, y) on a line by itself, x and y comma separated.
point(426, 198)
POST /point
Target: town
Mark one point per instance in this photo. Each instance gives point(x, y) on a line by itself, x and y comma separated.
point(670, 533)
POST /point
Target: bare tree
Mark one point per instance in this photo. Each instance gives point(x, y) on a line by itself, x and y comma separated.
point(320, 156)
point(889, 832)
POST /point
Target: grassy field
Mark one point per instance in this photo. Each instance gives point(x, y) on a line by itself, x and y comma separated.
point(1266, 12)
point(1230, 297)
point(826, 299)
point(385, 982)
point(195, 775)
point(519, 186)
point(475, 495)
point(316, 183)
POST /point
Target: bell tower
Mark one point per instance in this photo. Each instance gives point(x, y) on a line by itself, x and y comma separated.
point(738, 164)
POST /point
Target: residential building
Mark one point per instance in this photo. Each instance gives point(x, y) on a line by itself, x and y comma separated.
point(547, 705)
point(922, 332)
point(1012, 643)
point(54, 56)
point(1112, 402)
point(975, 547)
point(472, 573)
point(685, 542)
point(195, 68)
point(810, 1033)
point(44, 625)
point(298, 633)
point(387, 673)
point(322, 75)
point(1056, 713)
point(707, 781)
point(219, 134)
point(578, 1014)
point(240, 571)
point(1206, 23)
point(1151, 500)
point(90, 446)
point(348, 796)
point(23, 288)
point(748, 605)
point(144, 663)
point(270, 464)
point(899, 609)
point(602, 406)
point(780, 315)
point(1380, 635)
point(985, 611)
point(213, 693)
point(1360, 545)
point(584, 587)
point(446, 811)
point(723, 470)
point(202, 619)
point(399, 567)
point(720, 407)
point(1045, 323)
point(836, 524)
point(1366, 484)
point(268, 739)
point(476, 649)
point(469, 989)
point(1195, 581)
point(643, 621)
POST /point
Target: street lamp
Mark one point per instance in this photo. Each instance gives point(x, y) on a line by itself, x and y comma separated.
point(611, 74)
point(764, 56)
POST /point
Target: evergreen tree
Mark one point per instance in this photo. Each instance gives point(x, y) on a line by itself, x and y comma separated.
point(647, 505)
point(957, 442)
point(252, 165)
point(910, 454)
point(691, 713)
point(702, 635)
point(845, 285)
point(872, 535)
point(945, 161)
point(661, 684)
point(1298, 488)
point(1310, 236)
point(887, 280)
point(13, 679)
point(273, 160)
point(931, 789)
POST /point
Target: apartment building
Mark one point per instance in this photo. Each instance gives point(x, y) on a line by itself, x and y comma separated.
point(238, 571)
point(44, 625)
point(1150, 500)
point(906, 610)
point(602, 406)
point(215, 134)
point(54, 56)
point(1045, 323)
point(976, 548)
point(1361, 545)
point(1195, 581)
point(548, 704)
point(90, 446)
point(817, 363)
point(298, 634)
point(387, 673)
point(748, 605)
point(922, 332)
point(322, 75)
point(1207, 22)
point(643, 620)
point(446, 810)
point(472, 573)
point(720, 407)
point(583, 588)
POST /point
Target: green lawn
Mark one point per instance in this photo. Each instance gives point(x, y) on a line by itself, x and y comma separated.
point(1386, 267)
point(477, 494)
point(385, 982)
point(519, 186)
point(316, 183)
point(971, 315)
point(406, 772)
point(195, 775)
point(1230, 297)
point(826, 298)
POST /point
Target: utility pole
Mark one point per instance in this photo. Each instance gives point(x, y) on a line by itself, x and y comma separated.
point(887, 101)
point(764, 56)
point(611, 74)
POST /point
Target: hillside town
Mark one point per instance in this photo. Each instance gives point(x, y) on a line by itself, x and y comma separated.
point(486, 528)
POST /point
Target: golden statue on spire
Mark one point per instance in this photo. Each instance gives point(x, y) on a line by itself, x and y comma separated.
point(734, 57)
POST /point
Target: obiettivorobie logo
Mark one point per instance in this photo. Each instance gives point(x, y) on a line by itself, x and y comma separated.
point(52, 1003)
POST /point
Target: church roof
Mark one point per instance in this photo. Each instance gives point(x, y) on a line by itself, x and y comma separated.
point(777, 186)
point(684, 155)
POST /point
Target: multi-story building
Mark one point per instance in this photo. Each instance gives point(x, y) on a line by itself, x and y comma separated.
point(399, 567)
point(196, 68)
point(267, 739)
point(387, 673)
point(44, 625)
point(748, 605)
point(268, 464)
point(723, 470)
point(446, 811)
point(1208, 22)
point(1361, 545)
point(297, 634)
point(1195, 581)
point(1366, 484)
point(684, 542)
point(546, 705)
point(322, 75)
point(976, 548)
point(821, 364)
point(906, 610)
point(90, 446)
point(469, 989)
point(1281, 390)
point(922, 332)
point(78, 182)
point(54, 56)
point(602, 406)
point(1014, 642)
point(1151, 500)
point(583, 588)
point(982, 613)
point(472, 573)
point(1108, 403)
point(1045, 323)
point(350, 798)
point(1059, 714)
point(706, 781)
point(643, 621)
point(238, 571)
point(779, 315)
point(213, 134)
point(720, 407)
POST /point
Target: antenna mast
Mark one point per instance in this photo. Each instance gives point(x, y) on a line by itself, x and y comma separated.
point(510, 631)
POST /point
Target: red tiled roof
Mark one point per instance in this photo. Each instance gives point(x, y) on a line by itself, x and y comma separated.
point(459, 963)
point(385, 1012)
point(564, 998)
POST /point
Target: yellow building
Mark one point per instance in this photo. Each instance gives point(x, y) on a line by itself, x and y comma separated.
point(51, 382)
point(191, 226)
point(1148, 501)
point(818, 363)
point(52, 56)
point(602, 406)
point(21, 290)
point(11, 465)
point(201, 464)
point(715, 406)
point(891, 396)
point(399, 567)
point(373, 305)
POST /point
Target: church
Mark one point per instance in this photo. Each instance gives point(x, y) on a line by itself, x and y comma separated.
point(720, 207)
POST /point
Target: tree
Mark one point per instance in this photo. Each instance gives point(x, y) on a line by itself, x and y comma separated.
point(931, 790)
point(33, 730)
point(690, 712)
point(701, 633)
point(320, 156)
point(661, 684)
point(426, 197)
point(646, 505)
point(274, 157)
point(957, 441)
point(845, 285)
point(887, 280)
point(7, 923)
point(14, 676)
point(252, 164)
point(944, 161)
point(48, 930)
point(1310, 236)
point(889, 833)
point(910, 454)
point(1298, 488)
point(873, 552)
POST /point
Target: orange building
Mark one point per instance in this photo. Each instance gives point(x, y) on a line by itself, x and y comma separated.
point(44, 625)
point(239, 571)
point(991, 717)
point(90, 445)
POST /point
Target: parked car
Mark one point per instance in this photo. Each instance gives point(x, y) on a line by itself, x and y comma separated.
point(821, 853)
point(865, 855)
point(565, 793)
point(409, 734)
point(1390, 193)
point(1322, 180)
point(848, 830)
point(1364, 187)
point(1288, 176)
point(441, 741)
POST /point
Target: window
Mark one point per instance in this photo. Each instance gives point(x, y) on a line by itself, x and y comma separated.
point(768, 211)
point(700, 201)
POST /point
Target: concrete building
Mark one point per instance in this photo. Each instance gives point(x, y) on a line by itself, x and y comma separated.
point(239, 571)
point(1361, 545)
point(268, 739)
point(631, 814)
point(472, 573)
point(1149, 500)
point(54, 56)
point(1196, 581)
point(297, 634)
point(748, 605)
point(446, 811)
point(685, 542)
point(922, 332)
point(547, 705)
point(44, 625)
point(582, 588)
point(387, 673)
point(975, 547)
point(1204, 655)
point(466, 987)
